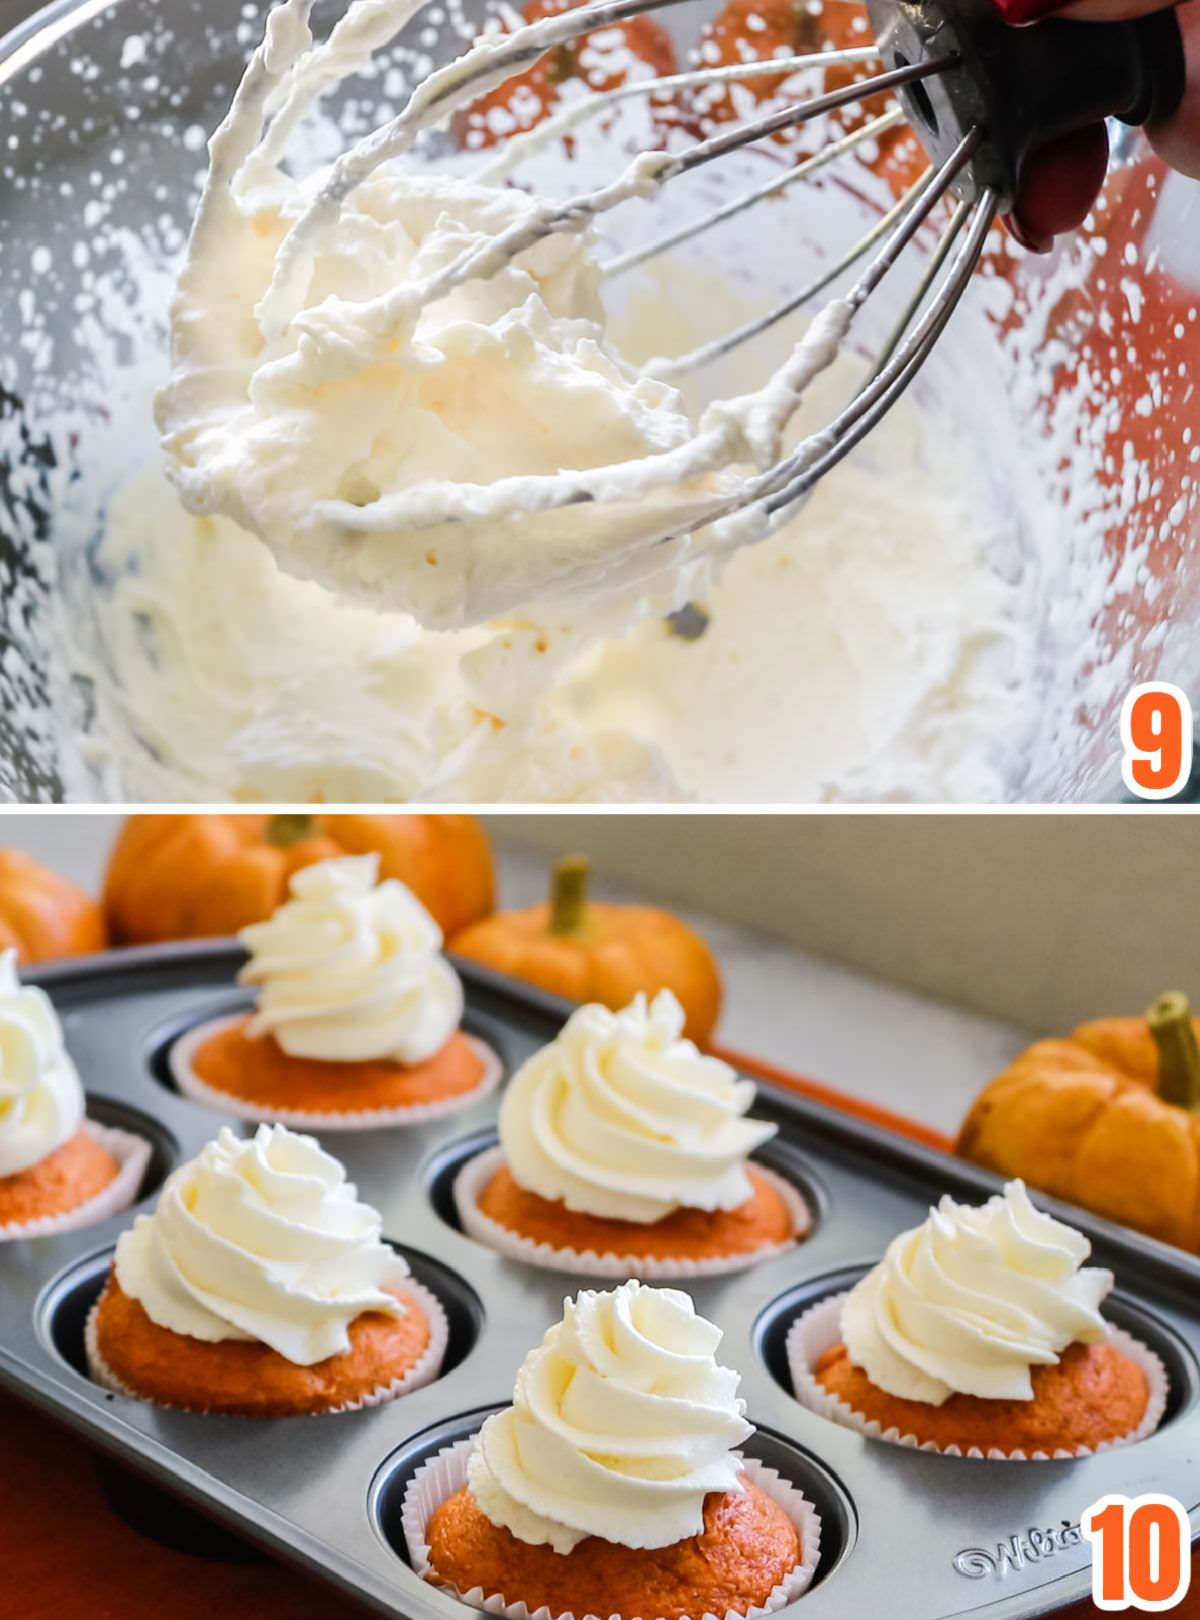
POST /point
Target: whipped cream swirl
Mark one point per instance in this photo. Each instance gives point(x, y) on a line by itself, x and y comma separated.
point(621, 1423)
point(621, 1117)
point(403, 383)
point(351, 969)
point(261, 1238)
point(970, 1301)
point(41, 1098)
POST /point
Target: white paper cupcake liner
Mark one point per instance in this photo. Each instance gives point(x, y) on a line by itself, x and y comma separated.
point(179, 1060)
point(132, 1154)
point(479, 1170)
point(422, 1372)
point(438, 1479)
point(820, 1328)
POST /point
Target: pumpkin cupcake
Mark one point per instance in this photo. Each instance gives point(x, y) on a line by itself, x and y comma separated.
point(261, 1287)
point(357, 1023)
point(980, 1334)
point(58, 1170)
point(624, 1151)
point(611, 1485)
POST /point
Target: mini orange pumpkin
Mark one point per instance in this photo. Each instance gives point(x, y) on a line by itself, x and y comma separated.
point(182, 877)
point(1109, 1120)
point(44, 915)
point(589, 951)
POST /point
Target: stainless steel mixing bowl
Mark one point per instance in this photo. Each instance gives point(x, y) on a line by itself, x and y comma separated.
point(104, 106)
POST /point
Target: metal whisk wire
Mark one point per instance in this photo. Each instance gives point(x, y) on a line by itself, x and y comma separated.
point(491, 62)
point(568, 121)
point(793, 477)
point(870, 131)
point(781, 486)
point(894, 375)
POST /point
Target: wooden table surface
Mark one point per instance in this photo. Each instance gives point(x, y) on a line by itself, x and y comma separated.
point(65, 1555)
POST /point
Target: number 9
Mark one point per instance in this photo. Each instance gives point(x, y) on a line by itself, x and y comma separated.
point(1156, 740)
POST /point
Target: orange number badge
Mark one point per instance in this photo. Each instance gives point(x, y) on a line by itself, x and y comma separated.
point(1141, 1552)
point(1156, 740)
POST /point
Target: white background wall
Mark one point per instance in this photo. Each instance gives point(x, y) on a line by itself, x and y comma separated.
point(1042, 919)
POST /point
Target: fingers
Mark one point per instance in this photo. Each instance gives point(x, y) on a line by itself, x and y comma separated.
point(1027, 11)
point(1177, 141)
point(1059, 188)
point(1108, 10)
point(1064, 178)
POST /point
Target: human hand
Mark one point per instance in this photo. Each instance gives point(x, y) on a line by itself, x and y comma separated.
point(1065, 177)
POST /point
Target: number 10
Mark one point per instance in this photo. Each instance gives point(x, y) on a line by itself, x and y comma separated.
point(1140, 1552)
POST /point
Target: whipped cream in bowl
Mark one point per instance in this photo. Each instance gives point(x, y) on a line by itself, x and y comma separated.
point(623, 1119)
point(43, 1107)
point(969, 1303)
point(928, 592)
point(349, 970)
point(622, 1424)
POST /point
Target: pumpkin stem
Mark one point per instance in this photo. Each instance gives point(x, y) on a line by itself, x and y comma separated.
point(283, 831)
point(568, 894)
point(1170, 1020)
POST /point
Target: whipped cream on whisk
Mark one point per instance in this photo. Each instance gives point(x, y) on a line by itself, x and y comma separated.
point(400, 382)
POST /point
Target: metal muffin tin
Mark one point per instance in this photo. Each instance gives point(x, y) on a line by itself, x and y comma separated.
point(915, 1535)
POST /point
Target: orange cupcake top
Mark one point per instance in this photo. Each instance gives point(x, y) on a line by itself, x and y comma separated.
point(745, 1548)
point(70, 1176)
point(685, 1234)
point(247, 1378)
point(1092, 1393)
point(259, 1071)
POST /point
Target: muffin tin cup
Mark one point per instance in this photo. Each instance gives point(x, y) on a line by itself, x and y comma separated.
point(422, 1372)
point(446, 1473)
point(478, 1171)
point(132, 1154)
point(179, 1061)
point(820, 1328)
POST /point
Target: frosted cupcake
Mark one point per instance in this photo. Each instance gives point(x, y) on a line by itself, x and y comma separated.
point(58, 1169)
point(357, 1023)
point(612, 1486)
point(624, 1151)
point(980, 1334)
point(261, 1287)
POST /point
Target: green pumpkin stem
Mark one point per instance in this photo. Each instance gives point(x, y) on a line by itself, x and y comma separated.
point(1170, 1020)
point(283, 831)
point(568, 894)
